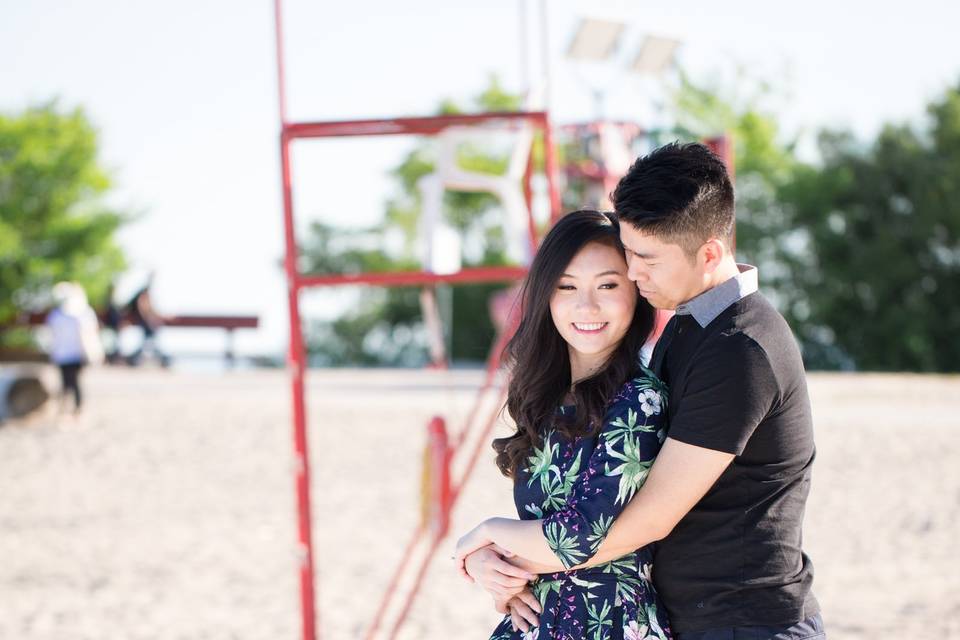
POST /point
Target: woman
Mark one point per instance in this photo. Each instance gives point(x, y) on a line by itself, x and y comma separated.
point(74, 339)
point(589, 425)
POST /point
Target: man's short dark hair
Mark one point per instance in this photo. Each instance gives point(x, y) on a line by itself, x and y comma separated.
point(680, 193)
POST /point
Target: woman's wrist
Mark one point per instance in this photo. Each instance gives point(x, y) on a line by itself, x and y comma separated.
point(490, 528)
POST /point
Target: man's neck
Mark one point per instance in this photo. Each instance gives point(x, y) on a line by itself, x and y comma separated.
point(727, 269)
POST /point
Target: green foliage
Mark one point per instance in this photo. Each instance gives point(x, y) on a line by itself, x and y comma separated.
point(859, 251)
point(384, 327)
point(881, 229)
point(53, 224)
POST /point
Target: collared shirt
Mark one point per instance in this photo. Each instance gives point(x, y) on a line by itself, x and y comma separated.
point(737, 385)
point(711, 303)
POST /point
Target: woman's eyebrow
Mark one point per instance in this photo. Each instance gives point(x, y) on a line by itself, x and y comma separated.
point(608, 272)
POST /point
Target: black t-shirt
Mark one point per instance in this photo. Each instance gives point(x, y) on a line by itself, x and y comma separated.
point(738, 385)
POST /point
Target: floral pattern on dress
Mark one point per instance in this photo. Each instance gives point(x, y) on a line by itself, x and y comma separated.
point(578, 488)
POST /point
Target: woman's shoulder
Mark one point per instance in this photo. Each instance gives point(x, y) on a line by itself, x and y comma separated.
point(643, 391)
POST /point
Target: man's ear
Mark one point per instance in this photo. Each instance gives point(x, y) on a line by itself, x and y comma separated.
point(712, 253)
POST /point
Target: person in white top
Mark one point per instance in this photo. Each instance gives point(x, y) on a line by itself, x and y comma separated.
point(74, 338)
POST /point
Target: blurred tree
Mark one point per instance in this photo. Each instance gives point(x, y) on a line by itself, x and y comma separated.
point(53, 223)
point(384, 327)
point(860, 250)
point(878, 256)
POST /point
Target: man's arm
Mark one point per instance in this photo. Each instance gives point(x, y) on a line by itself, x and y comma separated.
point(681, 475)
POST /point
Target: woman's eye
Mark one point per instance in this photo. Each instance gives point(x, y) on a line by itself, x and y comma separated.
point(609, 285)
point(565, 287)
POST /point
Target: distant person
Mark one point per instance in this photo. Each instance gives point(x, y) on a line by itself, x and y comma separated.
point(74, 339)
point(113, 318)
point(141, 312)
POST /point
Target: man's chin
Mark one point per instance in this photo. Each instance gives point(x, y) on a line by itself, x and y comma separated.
point(657, 302)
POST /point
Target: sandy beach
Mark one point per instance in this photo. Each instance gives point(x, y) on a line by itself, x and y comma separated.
point(168, 511)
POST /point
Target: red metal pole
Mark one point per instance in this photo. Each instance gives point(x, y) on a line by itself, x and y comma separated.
point(528, 198)
point(416, 278)
point(394, 581)
point(550, 166)
point(297, 365)
point(296, 359)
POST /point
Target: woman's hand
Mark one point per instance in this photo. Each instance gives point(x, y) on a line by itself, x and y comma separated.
point(523, 609)
point(477, 538)
point(489, 568)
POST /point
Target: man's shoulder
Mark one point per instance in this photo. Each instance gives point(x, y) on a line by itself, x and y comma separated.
point(751, 319)
point(748, 333)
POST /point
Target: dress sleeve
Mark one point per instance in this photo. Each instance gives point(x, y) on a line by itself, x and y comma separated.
point(633, 430)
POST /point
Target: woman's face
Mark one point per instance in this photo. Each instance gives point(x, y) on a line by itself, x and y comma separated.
point(592, 306)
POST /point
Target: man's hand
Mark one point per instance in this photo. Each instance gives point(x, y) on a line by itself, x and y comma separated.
point(524, 609)
point(498, 577)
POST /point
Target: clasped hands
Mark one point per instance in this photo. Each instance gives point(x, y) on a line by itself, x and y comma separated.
point(480, 560)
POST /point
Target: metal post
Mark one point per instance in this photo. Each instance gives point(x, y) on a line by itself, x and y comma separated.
point(550, 167)
point(296, 360)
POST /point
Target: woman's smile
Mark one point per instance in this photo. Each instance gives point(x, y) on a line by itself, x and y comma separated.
point(589, 327)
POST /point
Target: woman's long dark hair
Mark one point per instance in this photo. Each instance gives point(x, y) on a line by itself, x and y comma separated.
point(538, 357)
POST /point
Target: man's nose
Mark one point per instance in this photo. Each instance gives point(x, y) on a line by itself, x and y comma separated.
point(635, 270)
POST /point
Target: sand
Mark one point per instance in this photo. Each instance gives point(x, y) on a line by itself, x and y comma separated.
point(168, 511)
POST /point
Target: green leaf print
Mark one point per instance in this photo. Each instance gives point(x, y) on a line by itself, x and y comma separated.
point(541, 461)
point(565, 546)
point(598, 531)
point(554, 497)
point(654, 621)
point(621, 429)
point(598, 620)
point(535, 510)
point(628, 582)
point(633, 472)
point(570, 475)
point(542, 588)
point(586, 585)
point(650, 381)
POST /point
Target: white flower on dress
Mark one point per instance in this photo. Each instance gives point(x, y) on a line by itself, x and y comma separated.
point(531, 634)
point(635, 631)
point(650, 402)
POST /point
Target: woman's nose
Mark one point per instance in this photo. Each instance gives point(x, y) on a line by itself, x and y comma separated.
point(587, 302)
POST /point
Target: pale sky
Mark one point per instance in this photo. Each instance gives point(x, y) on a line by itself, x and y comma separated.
point(184, 96)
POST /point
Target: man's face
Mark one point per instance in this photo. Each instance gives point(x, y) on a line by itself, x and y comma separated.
point(664, 274)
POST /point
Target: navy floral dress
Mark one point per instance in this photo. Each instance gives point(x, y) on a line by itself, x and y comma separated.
point(578, 488)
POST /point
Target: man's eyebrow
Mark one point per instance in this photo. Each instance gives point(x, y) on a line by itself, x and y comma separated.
point(642, 256)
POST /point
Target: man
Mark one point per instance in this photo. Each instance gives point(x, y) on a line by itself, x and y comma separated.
point(726, 495)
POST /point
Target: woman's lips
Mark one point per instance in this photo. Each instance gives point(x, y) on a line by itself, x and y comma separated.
point(589, 327)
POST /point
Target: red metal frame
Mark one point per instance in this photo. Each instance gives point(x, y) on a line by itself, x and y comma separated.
point(295, 282)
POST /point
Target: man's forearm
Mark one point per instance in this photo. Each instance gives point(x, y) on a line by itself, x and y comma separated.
point(681, 476)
